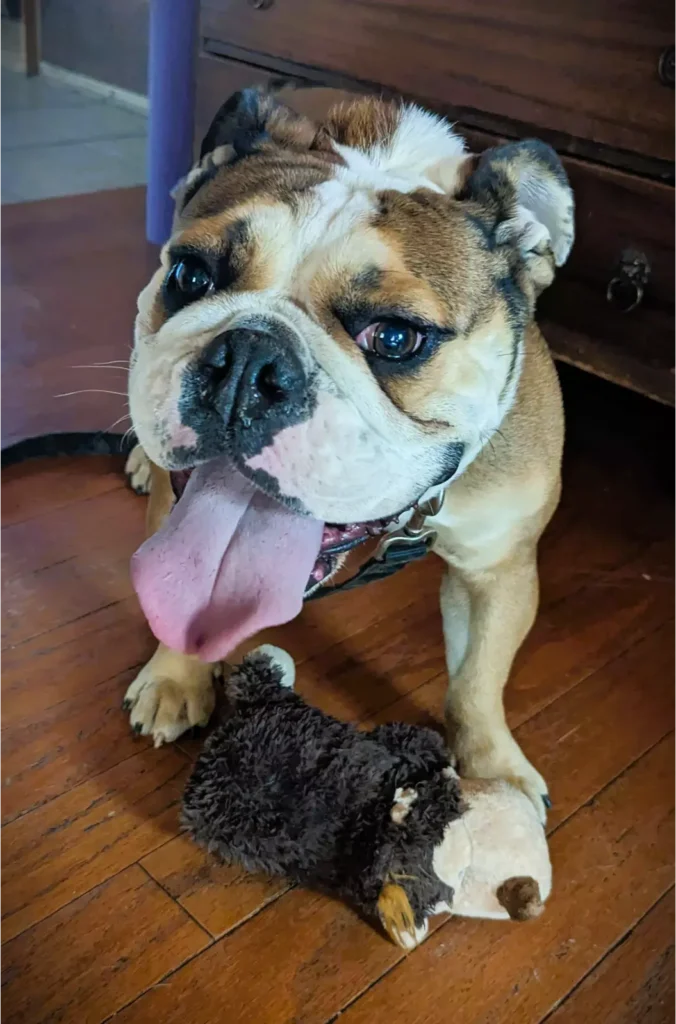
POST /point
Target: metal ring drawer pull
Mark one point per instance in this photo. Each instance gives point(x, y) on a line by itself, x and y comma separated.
point(627, 286)
point(665, 67)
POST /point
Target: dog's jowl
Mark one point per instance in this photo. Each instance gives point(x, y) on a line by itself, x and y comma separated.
point(342, 326)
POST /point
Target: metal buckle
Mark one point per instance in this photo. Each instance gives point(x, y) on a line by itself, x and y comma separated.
point(414, 531)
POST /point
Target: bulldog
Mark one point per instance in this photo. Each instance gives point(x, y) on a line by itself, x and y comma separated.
point(340, 331)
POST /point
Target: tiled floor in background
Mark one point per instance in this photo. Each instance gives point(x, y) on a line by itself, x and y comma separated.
point(59, 141)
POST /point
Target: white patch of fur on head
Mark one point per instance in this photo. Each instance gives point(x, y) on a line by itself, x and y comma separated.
point(410, 159)
point(336, 210)
point(282, 660)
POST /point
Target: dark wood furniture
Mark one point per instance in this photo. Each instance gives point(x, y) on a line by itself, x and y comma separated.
point(593, 77)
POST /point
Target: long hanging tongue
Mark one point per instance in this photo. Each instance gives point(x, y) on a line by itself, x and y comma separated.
point(229, 562)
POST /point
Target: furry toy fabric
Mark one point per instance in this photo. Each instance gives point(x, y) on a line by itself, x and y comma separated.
point(283, 788)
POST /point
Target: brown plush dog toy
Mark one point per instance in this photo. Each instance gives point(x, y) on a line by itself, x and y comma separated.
point(378, 818)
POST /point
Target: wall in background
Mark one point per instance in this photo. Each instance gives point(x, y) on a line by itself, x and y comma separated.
point(105, 39)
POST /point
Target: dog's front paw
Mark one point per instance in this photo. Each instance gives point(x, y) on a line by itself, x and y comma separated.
point(500, 757)
point(165, 705)
point(137, 470)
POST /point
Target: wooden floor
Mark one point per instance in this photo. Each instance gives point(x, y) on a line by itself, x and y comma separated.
point(109, 913)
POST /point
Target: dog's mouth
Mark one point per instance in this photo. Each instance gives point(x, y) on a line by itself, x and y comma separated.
point(337, 538)
point(231, 561)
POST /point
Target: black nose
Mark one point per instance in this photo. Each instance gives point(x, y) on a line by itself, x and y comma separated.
point(247, 373)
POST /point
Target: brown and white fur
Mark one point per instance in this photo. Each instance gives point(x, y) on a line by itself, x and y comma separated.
point(382, 209)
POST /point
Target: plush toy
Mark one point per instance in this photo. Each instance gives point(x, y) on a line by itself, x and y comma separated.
point(378, 818)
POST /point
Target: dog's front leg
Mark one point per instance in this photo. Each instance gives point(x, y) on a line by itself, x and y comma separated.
point(487, 612)
point(174, 691)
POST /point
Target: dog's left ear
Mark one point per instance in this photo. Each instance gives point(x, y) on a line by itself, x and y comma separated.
point(525, 201)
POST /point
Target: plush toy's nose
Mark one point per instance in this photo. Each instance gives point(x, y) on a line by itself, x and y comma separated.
point(521, 898)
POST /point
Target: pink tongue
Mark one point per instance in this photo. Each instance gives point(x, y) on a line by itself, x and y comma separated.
point(229, 562)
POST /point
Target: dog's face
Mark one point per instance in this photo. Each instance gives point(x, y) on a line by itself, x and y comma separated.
point(341, 308)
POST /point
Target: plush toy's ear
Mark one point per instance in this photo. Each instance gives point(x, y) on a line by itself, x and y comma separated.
point(524, 200)
point(248, 120)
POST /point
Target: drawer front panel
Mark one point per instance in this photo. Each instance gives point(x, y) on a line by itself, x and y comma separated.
point(584, 68)
point(612, 308)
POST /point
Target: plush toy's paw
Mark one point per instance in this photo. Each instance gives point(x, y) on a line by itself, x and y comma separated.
point(137, 470)
point(398, 919)
point(164, 705)
point(500, 757)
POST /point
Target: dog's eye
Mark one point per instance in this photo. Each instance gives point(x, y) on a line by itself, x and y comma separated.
point(188, 280)
point(390, 339)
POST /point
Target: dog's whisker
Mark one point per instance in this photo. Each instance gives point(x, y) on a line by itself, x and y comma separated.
point(125, 416)
point(92, 391)
point(109, 362)
point(99, 366)
point(112, 362)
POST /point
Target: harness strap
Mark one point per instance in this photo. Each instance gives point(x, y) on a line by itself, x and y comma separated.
point(395, 557)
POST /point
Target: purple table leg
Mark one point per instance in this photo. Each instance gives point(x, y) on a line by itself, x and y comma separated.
point(171, 89)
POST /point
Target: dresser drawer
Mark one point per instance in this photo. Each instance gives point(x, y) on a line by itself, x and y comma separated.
point(611, 309)
point(584, 68)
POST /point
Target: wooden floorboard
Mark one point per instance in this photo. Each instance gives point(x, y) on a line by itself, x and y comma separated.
point(107, 956)
point(78, 840)
point(110, 913)
point(634, 984)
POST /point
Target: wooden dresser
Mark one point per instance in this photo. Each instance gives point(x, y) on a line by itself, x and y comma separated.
point(595, 78)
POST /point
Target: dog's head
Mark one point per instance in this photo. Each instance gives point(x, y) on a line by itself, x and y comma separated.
point(340, 310)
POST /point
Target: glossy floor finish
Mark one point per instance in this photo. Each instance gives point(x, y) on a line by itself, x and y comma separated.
point(108, 912)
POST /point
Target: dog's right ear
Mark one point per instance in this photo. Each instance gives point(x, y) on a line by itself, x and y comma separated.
point(252, 117)
point(247, 121)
